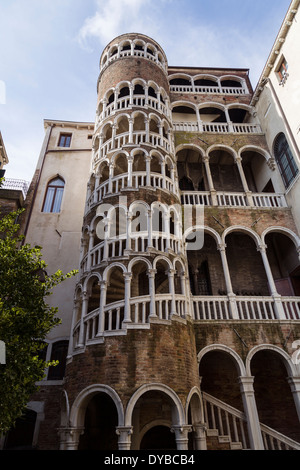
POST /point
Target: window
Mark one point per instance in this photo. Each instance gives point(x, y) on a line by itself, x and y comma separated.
point(59, 353)
point(282, 71)
point(285, 159)
point(64, 140)
point(54, 195)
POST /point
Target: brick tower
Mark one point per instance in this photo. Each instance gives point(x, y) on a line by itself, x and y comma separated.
point(132, 329)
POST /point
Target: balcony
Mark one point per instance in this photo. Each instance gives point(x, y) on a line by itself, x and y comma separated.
point(218, 128)
point(244, 308)
point(234, 199)
point(111, 322)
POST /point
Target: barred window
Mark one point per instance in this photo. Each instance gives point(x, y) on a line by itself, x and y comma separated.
point(285, 159)
point(54, 194)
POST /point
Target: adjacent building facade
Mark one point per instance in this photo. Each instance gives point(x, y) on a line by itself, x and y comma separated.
point(179, 207)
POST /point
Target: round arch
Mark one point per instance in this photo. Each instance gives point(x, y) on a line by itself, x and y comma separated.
point(178, 415)
point(245, 230)
point(138, 259)
point(222, 348)
point(89, 277)
point(284, 231)
point(164, 259)
point(77, 413)
point(206, 229)
point(109, 268)
point(254, 148)
point(287, 360)
point(194, 147)
point(228, 149)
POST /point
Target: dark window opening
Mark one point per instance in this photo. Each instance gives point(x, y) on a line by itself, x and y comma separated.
point(59, 353)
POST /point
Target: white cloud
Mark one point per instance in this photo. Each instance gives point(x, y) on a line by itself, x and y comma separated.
point(110, 19)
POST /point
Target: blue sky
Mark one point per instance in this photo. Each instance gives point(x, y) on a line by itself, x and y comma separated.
point(50, 51)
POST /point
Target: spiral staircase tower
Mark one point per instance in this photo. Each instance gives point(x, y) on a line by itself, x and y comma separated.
point(132, 334)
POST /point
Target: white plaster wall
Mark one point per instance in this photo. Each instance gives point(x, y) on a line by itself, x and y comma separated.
point(274, 117)
point(59, 235)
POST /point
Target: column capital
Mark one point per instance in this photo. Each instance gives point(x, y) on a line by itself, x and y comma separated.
point(246, 383)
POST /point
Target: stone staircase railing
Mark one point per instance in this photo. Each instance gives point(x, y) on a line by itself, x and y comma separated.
point(230, 425)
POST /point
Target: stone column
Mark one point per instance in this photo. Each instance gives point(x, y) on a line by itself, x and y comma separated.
point(127, 315)
point(248, 193)
point(294, 383)
point(124, 433)
point(69, 438)
point(111, 175)
point(101, 323)
point(200, 436)
point(85, 300)
point(230, 294)
point(91, 245)
point(254, 431)
point(74, 316)
point(151, 275)
point(277, 298)
point(210, 181)
point(130, 163)
point(181, 436)
point(148, 171)
point(171, 273)
point(131, 121)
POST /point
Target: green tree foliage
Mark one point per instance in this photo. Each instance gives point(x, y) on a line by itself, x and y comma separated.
point(25, 318)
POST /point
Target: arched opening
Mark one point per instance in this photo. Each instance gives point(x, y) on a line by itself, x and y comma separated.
point(100, 423)
point(231, 83)
point(180, 81)
point(154, 125)
point(121, 165)
point(205, 82)
point(103, 172)
point(191, 170)
point(257, 172)
point(94, 294)
point(139, 122)
point(284, 263)
point(274, 400)
point(247, 272)
point(158, 438)
point(139, 281)
point(219, 374)
point(224, 171)
point(116, 286)
point(158, 215)
point(161, 277)
point(211, 114)
point(122, 126)
point(139, 162)
point(206, 270)
point(155, 164)
point(153, 417)
point(183, 113)
point(123, 92)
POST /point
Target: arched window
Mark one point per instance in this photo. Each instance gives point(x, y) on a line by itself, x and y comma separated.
point(285, 159)
point(54, 193)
